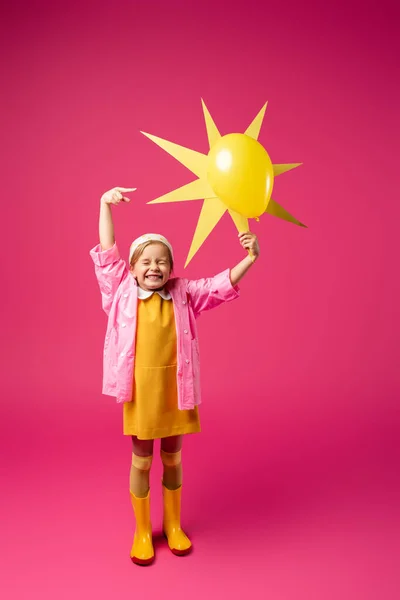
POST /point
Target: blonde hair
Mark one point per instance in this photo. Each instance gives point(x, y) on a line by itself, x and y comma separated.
point(140, 249)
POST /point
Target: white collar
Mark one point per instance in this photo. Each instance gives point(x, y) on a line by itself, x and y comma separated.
point(143, 294)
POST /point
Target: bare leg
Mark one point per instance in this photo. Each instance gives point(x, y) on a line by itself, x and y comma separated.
point(142, 455)
point(172, 474)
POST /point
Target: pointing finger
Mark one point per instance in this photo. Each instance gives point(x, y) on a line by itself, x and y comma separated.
point(124, 190)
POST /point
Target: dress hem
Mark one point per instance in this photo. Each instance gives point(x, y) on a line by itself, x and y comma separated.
point(158, 434)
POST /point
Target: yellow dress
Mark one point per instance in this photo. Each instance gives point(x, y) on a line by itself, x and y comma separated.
point(153, 412)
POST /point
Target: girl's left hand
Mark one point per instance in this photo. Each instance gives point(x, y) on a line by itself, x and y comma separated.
point(249, 242)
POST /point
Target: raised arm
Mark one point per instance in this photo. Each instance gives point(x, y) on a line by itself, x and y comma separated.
point(213, 291)
point(109, 267)
point(106, 225)
point(249, 241)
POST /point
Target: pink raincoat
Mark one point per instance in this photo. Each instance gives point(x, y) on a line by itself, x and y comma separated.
point(119, 298)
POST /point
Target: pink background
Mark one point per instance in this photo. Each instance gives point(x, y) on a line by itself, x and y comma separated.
point(291, 491)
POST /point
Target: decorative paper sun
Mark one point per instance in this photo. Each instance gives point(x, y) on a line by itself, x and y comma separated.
point(204, 187)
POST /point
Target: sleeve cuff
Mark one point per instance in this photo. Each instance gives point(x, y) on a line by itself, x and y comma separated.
point(104, 257)
point(222, 284)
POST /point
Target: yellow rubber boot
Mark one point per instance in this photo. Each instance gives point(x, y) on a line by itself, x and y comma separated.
point(178, 541)
point(142, 552)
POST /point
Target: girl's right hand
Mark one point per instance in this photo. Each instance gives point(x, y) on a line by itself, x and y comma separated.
point(115, 196)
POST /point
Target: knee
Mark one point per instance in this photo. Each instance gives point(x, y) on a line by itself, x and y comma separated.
point(171, 459)
point(143, 463)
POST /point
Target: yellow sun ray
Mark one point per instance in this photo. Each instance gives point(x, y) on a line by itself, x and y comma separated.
point(194, 161)
point(241, 222)
point(213, 208)
point(253, 129)
point(212, 211)
point(212, 132)
point(195, 190)
point(279, 169)
point(276, 210)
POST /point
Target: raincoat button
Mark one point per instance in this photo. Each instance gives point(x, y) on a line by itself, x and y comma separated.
point(187, 361)
point(185, 330)
point(125, 295)
point(184, 302)
point(123, 324)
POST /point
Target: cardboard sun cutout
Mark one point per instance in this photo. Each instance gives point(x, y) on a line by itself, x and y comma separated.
point(236, 176)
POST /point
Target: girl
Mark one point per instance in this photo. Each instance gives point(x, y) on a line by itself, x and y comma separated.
point(151, 360)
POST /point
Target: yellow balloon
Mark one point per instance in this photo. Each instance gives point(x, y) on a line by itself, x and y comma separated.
point(241, 174)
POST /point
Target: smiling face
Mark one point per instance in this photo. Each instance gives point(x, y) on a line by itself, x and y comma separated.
point(151, 266)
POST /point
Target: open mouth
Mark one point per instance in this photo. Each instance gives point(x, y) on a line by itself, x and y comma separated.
point(154, 277)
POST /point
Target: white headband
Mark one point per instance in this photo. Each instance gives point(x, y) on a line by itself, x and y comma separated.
point(149, 237)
